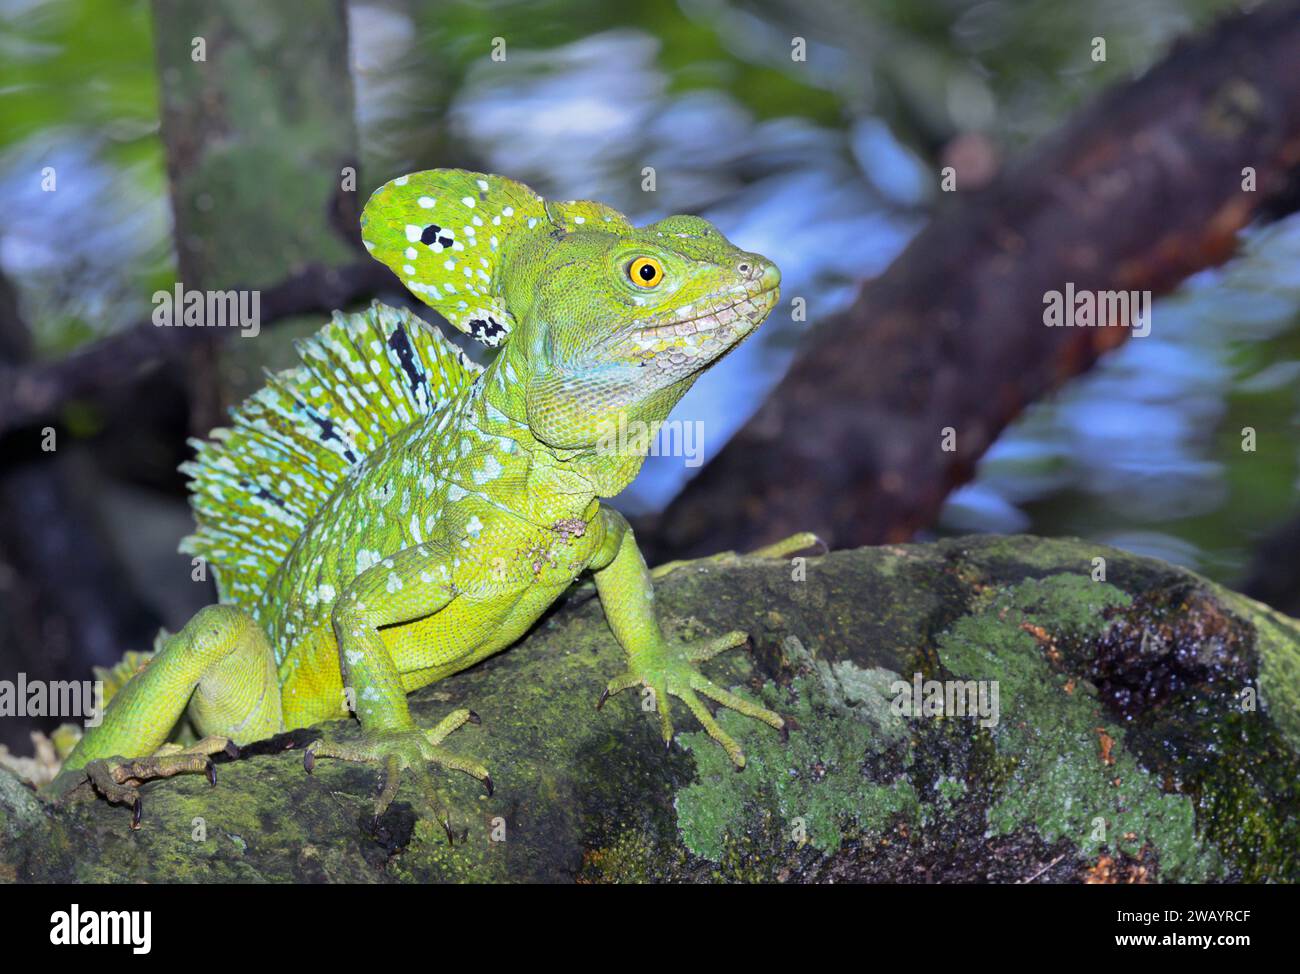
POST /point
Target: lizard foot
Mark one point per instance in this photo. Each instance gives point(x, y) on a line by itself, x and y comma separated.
point(670, 669)
point(119, 779)
point(401, 750)
point(777, 551)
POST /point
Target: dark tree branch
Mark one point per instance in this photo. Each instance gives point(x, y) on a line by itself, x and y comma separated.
point(34, 393)
point(1137, 192)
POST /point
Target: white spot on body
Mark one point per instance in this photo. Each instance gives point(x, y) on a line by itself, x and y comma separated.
point(491, 470)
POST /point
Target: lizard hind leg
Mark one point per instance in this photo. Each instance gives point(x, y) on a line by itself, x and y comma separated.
point(220, 666)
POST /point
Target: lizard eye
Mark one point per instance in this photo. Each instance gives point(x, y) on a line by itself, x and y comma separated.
point(645, 272)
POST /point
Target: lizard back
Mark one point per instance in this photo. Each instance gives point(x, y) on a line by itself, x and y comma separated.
point(255, 486)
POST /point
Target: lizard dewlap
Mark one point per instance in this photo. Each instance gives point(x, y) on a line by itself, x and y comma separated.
point(387, 513)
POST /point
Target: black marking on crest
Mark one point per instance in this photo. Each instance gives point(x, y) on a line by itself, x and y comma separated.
point(262, 494)
point(486, 329)
point(400, 343)
point(433, 234)
point(327, 430)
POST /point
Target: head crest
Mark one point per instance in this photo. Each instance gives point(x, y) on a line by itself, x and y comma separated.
point(442, 231)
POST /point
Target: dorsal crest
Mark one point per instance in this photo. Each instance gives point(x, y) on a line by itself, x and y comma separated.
point(255, 485)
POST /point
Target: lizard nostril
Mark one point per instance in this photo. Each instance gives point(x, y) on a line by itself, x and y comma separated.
point(745, 269)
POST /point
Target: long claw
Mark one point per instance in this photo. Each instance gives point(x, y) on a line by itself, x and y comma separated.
point(388, 790)
point(673, 671)
point(712, 728)
point(738, 704)
point(408, 749)
point(706, 651)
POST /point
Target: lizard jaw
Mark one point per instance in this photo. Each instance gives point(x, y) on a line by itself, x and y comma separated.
point(694, 336)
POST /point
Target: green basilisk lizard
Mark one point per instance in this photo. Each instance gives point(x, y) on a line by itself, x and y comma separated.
point(387, 513)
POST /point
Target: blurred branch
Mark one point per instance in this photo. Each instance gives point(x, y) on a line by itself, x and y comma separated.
point(33, 393)
point(1137, 192)
point(237, 91)
point(248, 214)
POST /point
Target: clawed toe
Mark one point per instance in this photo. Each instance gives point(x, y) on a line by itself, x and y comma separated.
point(118, 780)
point(672, 671)
point(411, 751)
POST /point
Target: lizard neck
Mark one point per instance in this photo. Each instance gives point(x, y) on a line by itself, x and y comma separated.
point(498, 409)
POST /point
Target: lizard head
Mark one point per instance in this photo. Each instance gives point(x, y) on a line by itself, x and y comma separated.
point(597, 319)
point(626, 320)
point(657, 304)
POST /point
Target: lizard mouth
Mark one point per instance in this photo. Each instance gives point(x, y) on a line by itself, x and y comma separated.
point(732, 314)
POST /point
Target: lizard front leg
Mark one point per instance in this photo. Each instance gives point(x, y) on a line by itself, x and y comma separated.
point(412, 584)
point(667, 668)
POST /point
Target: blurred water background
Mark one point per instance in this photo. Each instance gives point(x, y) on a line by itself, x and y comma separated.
point(828, 166)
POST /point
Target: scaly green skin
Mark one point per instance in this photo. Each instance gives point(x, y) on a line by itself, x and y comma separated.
point(387, 515)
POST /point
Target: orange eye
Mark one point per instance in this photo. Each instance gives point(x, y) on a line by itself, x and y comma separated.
point(645, 272)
